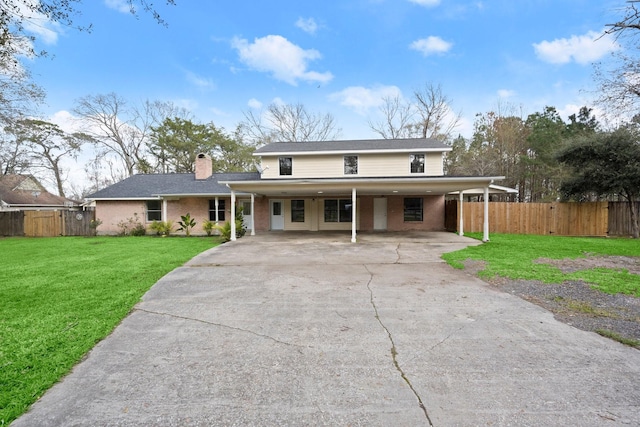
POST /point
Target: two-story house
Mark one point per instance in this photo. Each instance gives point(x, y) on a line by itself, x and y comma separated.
point(357, 185)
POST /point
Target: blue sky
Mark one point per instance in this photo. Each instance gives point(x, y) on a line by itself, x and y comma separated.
point(219, 59)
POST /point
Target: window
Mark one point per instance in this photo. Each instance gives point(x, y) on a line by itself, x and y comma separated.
point(286, 165)
point(350, 165)
point(212, 210)
point(337, 210)
point(417, 163)
point(154, 210)
point(297, 211)
point(413, 209)
point(246, 208)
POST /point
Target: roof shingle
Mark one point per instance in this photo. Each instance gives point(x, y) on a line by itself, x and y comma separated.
point(151, 185)
point(354, 146)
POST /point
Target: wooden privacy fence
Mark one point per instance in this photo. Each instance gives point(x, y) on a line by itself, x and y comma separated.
point(563, 219)
point(620, 218)
point(47, 223)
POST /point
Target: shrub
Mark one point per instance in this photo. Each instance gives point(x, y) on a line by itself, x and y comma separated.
point(162, 228)
point(132, 227)
point(208, 226)
point(241, 227)
point(225, 230)
point(186, 224)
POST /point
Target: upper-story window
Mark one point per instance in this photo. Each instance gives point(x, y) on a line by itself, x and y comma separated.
point(286, 165)
point(350, 165)
point(417, 163)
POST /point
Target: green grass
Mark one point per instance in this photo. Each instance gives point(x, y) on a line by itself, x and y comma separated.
point(512, 256)
point(615, 336)
point(60, 296)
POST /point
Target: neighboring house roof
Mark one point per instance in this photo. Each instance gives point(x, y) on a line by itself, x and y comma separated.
point(18, 190)
point(149, 186)
point(352, 146)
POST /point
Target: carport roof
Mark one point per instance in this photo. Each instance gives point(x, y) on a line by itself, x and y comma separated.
point(435, 185)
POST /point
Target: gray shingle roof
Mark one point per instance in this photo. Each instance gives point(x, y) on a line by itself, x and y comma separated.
point(152, 185)
point(353, 146)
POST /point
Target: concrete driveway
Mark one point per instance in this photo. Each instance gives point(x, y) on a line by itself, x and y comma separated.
point(314, 330)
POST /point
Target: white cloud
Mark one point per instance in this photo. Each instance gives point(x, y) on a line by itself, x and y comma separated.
point(361, 99)
point(582, 49)
point(308, 25)
point(201, 82)
point(67, 121)
point(37, 24)
point(506, 93)
point(119, 5)
point(283, 59)
point(254, 103)
point(431, 45)
point(426, 3)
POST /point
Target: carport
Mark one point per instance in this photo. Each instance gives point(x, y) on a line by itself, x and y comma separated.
point(354, 187)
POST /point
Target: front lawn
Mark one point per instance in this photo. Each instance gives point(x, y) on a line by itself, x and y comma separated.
point(512, 256)
point(60, 296)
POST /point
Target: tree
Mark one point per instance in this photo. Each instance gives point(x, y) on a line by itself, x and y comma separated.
point(288, 123)
point(13, 155)
point(606, 164)
point(17, 15)
point(47, 145)
point(175, 144)
point(18, 94)
point(121, 130)
point(427, 115)
point(619, 86)
point(499, 141)
point(630, 20)
point(397, 115)
point(436, 119)
point(542, 170)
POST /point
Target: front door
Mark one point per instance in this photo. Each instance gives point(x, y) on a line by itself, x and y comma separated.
point(246, 213)
point(277, 214)
point(380, 213)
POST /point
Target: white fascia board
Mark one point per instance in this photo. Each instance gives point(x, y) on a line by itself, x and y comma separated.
point(160, 196)
point(475, 179)
point(116, 199)
point(334, 152)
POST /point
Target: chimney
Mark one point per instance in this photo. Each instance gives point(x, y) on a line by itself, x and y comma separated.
point(204, 166)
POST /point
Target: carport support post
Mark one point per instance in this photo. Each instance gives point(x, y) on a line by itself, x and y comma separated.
point(253, 201)
point(233, 215)
point(461, 214)
point(485, 234)
point(353, 215)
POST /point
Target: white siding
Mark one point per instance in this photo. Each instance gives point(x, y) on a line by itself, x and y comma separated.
point(369, 165)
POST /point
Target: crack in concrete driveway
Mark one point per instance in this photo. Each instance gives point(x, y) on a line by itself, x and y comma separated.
point(394, 351)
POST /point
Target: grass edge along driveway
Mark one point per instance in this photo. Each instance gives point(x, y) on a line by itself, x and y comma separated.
point(60, 296)
point(512, 255)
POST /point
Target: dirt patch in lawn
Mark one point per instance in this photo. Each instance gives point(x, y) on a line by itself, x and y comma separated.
point(575, 302)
